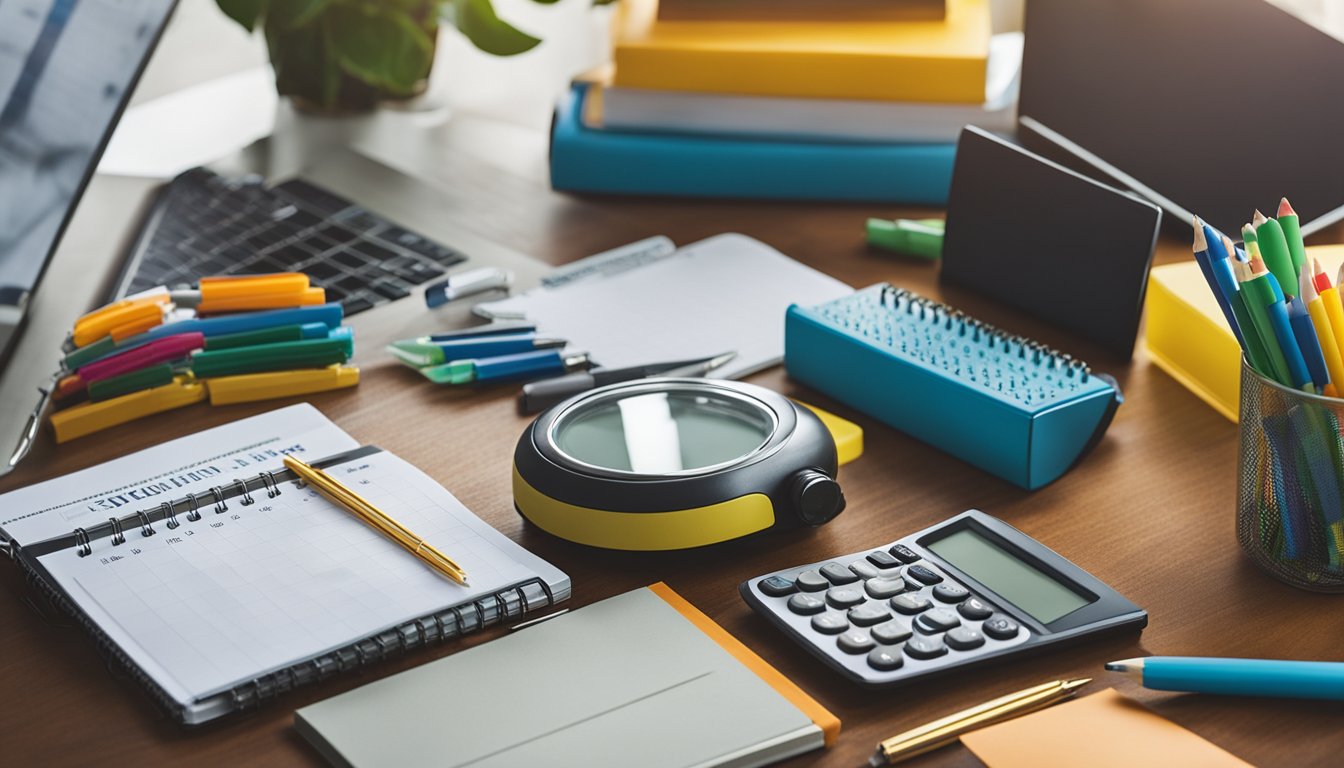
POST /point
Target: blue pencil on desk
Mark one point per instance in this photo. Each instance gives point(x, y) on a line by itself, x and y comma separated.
point(526, 365)
point(1237, 677)
point(427, 351)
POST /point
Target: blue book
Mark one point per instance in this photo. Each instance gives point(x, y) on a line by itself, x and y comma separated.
point(588, 160)
point(1005, 403)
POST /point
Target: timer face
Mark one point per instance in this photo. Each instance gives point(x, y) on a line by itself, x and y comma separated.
point(1039, 595)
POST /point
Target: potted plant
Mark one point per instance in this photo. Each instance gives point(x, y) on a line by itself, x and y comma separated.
point(344, 56)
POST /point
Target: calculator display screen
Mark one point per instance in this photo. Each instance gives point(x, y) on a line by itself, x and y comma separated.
point(1042, 597)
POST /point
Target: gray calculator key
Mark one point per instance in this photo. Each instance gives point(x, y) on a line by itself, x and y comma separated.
point(885, 659)
point(891, 633)
point(1000, 627)
point(882, 588)
point(964, 638)
point(910, 604)
point(904, 553)
point(844, 597)
point(925, 647)
point(937, 620)
point(863, 569)
point(950, 593)
point(868, 615)
point(855, 641)
point(804, 604)
point(776, 586)
point(883, 559)
point(975, 610)
point(812, 581)
point(830, 623)
point(923, 574)
point(838, 574)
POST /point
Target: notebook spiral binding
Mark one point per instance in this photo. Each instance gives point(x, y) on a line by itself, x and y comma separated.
point(954, 319)
point(428, 630)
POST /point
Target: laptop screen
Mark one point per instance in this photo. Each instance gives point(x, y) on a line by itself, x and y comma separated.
point(1215, 107)
point(66, 70)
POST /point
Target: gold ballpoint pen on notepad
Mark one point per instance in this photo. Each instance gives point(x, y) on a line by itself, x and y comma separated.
point(333, 489)
point(942, 732)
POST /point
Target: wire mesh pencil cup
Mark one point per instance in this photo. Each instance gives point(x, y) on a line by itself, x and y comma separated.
point(1290, 484)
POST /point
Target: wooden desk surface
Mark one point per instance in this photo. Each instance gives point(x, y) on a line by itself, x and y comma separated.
point(1150, 512)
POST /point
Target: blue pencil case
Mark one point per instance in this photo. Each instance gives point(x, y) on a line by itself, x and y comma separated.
point(1007, 404)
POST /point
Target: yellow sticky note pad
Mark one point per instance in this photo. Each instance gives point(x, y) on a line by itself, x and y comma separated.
point(1104, 730)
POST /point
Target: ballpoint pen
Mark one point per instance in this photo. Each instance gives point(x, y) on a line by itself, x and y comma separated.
point(540, 395)
point(488, 329)
point(527, 365)
point(946, 730)
point(337, 492)
point(426, 351)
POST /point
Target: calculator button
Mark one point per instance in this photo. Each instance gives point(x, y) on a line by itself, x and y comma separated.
point(863, 569)
point(776, 586)
point(885, 659)
point(964, 638)
point(868, 615)
point(844, 597)
point(937, 620)
point(806, 605)
point(950, 593)
point(975, 610)
point(838, 574)
point(885, 587)
point(883, 559)
point(910, 604)
point(830, 623)
point(855, 641)
point(904, 553)
point(924, 647)
point(923, 575)
point(891, 633)
point(1000, 627)
point(811, 581)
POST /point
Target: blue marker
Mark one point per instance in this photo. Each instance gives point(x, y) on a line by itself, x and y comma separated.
point(527, 365)
point(1237, 677)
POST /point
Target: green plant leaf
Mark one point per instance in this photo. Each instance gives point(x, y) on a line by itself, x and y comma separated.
point(245, 12)
point(383, 48)
point(477, 20)
point(604, 2)
point(290, 14)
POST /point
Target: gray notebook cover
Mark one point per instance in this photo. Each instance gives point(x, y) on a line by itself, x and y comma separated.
point(624, 681)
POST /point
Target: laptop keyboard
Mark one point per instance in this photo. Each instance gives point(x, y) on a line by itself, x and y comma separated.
point(208, 225)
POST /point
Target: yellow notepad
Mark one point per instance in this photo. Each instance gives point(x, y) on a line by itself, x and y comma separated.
point(1104, 730)
point(1188, 337)
point(927, 61)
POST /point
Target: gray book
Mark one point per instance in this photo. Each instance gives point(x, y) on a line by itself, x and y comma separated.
point(642, 678)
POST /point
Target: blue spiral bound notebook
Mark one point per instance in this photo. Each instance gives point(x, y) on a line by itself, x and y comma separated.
point(1005, 403)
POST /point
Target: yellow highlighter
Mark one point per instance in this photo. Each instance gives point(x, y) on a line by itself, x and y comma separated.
point(88, 418)
point(248, 387)
point(121, 317)
point(255, 292)
point(1325, 333)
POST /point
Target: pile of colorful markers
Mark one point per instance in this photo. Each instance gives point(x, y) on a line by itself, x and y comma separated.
point(1286, 314)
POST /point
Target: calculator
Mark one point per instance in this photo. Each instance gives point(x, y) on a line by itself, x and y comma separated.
point(962, 592)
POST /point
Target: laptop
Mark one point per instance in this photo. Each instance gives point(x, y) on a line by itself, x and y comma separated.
point(369, 235)
point(1215, 107)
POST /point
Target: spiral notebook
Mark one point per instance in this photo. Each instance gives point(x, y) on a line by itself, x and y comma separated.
point(203, 568)
point(1005, 403)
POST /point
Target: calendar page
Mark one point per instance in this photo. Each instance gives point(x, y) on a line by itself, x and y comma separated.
point(253, 589)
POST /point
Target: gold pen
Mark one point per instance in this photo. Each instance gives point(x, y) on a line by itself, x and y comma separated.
point(942, 732)
point(377, 519)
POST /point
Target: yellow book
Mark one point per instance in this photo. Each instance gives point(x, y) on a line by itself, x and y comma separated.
point(1188, 338)
point(926, 61)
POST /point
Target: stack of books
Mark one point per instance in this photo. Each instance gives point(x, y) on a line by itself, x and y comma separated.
point(788, 99)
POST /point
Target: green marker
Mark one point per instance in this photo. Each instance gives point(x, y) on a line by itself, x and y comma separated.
point(145, 378)
point(922, 238)
point(267, 336)
point(1258, 294)
point(1255, 348)
point(1292, 232)
point(281, 356)
point(1274, 250)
